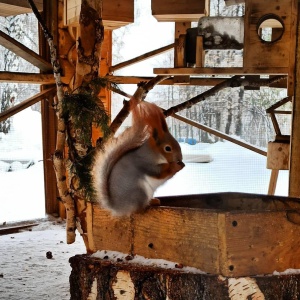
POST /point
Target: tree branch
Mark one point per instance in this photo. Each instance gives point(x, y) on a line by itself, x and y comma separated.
point(235, 81)
point(139, 95)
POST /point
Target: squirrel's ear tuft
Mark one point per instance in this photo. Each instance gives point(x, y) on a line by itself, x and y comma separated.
point(151, 115)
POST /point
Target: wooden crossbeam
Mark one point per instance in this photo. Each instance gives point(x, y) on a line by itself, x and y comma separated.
point(140, 58)
point(219, 71)
point(24, 52)
point(26, 103)
point(219, 134)
point(207, 81)
point(33, 78)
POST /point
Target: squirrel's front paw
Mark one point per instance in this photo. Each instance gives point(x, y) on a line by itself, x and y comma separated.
point(154, 202)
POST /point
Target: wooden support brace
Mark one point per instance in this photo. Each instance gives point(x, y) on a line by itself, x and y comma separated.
point(200, 53)
point(273, 182)
point(179, 59)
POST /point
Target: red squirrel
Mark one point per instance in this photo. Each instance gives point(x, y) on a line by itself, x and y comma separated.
point(130, 167)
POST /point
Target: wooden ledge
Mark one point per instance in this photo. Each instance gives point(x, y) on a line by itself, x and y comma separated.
point(219, 71)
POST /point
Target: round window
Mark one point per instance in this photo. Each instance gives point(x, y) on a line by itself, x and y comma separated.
point(270, 28)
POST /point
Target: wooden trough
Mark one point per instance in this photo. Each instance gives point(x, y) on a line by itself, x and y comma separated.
point(228, 234)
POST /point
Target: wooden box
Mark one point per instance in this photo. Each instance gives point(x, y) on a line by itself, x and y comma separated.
point(115, 14)
point(179, 11)
point(231, 234)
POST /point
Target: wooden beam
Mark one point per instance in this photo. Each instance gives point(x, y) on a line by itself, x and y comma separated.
point(26, 103)
point(141, 58)
point(219, 134)
point(205, 81)
point(16, 228)
point(16, 7)
point(23, 3)
point(24, 52)
point(33, 78)
point(219, 71)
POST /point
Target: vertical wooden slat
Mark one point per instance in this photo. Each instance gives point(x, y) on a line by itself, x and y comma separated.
point(48, 115)
point(294, 180)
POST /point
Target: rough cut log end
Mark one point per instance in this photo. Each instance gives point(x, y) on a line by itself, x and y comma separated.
point(95, 278)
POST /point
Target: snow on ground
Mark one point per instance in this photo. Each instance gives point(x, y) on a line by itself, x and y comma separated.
point(25, 271)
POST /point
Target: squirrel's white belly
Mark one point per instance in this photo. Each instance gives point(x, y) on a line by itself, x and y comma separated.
point(151, 184)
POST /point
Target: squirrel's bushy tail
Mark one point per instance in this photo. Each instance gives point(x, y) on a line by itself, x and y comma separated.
point(113, 150)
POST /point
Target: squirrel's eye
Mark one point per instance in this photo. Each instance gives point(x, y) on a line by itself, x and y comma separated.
point(168, 148)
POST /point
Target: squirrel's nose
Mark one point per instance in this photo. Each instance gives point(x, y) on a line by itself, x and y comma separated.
point(180, 163)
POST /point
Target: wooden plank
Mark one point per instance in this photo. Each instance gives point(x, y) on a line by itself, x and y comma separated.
point(115, 13)
point(294, 179)
point(49, 119)
point(16, 7)
point(200, 53)
point(171, 231)
point(23, 3)
point(293, 49)
point(260, 243)
point(141, 58)
point(33, 78)
point(219, 134)
point(24, 52)
point(205, 81)
point(221, 71)
point(26, 103)
point(178, 11)
point(179, 55)
point(233, 232)
point(111, 233)
point(15, 228)
point(179, 50)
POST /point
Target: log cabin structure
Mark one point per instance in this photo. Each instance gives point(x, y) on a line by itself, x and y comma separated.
point(241, 242)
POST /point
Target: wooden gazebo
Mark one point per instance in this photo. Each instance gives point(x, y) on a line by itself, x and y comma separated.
point(232, 237)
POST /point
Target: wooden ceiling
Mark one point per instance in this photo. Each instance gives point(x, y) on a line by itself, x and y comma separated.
point(17, 7)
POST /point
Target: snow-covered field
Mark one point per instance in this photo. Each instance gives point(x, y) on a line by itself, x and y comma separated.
point(25, 272)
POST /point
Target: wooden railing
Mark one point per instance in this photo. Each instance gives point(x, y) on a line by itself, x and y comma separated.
point(26, 103)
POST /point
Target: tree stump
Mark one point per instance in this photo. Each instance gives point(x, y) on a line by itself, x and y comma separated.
point(93, 278)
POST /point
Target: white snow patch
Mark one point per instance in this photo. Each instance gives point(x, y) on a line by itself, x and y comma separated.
point(116, 256)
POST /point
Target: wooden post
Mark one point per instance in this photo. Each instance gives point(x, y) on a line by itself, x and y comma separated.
point(294, 181)
point(200, 54)
point(48, 116)
point(179, 55)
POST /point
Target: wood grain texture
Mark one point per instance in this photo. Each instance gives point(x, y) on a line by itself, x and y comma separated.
point(182, 235)
point(178, 11)
point(134, 281)
point(230, 234)
point(115, 13)
point(111, 233)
